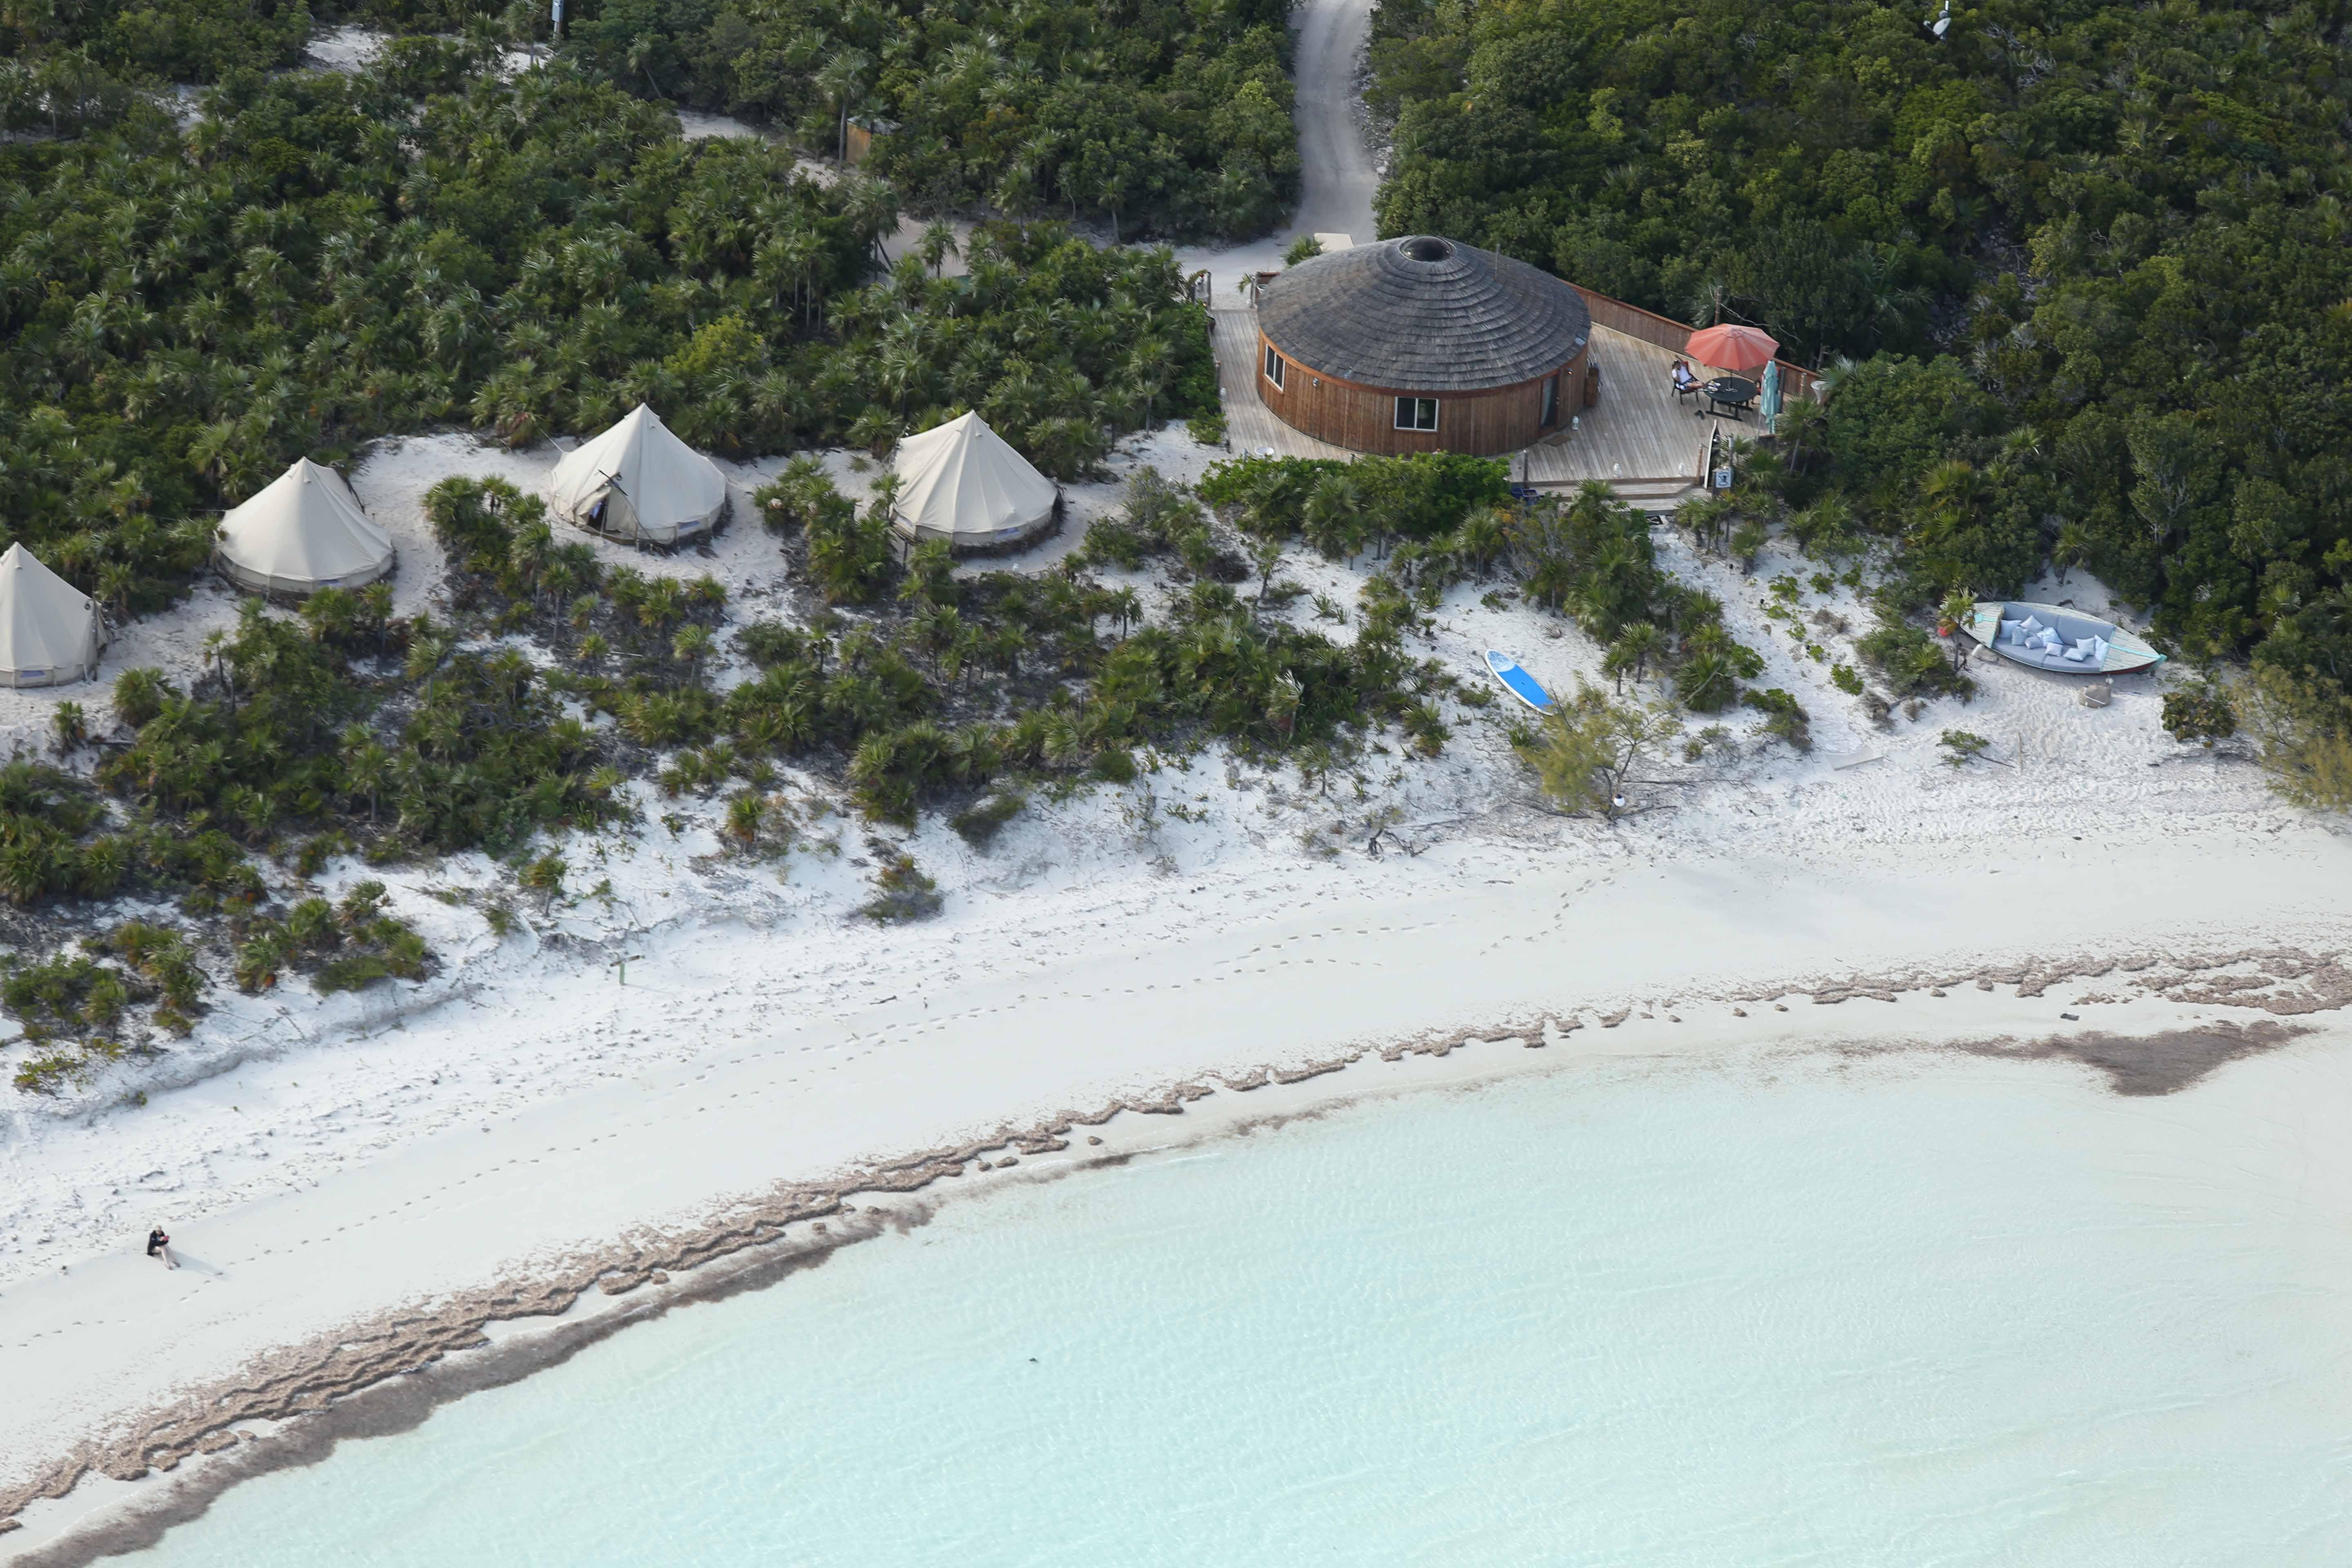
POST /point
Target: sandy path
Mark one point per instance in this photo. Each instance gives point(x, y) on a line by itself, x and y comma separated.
point(1337, 181)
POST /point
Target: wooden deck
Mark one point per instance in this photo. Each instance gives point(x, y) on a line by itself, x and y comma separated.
point(1250, 426)
point(1637, 438)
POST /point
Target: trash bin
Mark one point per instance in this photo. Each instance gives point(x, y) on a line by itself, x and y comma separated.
point(1591, 384)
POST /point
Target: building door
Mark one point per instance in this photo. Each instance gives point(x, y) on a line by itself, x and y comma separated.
point(1551, 401)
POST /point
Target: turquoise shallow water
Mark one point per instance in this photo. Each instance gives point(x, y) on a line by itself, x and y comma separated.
point(1926, 1311)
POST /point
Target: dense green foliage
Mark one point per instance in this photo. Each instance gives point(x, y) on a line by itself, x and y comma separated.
point(2102, 248)
point(322, 258)
point(319, 724)
point(1342, 507)
point(297, 739)
point(1161, 116)
point(942, 686)
point(1158, 115)
point(1589, 556)
point(327, 259)
point(65, 61)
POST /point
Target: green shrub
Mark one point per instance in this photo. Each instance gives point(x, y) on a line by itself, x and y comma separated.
point(2199, 711)
point(49, 1072)
point(1911, 662)
point(1784, 716)
point(1960, 746)
point(978, 826)
point(902, 892)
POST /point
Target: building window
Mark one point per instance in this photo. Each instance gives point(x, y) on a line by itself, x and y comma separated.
point(1274, 368)
point(1551, 402)
point(1416, 413)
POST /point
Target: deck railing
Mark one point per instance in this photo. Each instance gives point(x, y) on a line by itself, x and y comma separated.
point(1666, 333)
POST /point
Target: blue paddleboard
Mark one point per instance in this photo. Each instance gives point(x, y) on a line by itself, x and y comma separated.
point(1519, 683)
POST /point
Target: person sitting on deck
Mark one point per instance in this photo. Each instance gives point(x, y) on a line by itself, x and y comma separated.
point(1686, 383)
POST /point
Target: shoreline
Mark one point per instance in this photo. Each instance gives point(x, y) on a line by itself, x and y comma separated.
point(418, 1369)
point(704, 1183)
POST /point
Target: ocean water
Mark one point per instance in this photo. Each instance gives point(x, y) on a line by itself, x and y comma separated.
point(1915, 1310)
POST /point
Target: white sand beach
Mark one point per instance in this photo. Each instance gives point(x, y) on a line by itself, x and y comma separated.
point(693, 1070)
point(691, 1055)
point(692, 1062)
point(353, 1206)
point(689, 1051)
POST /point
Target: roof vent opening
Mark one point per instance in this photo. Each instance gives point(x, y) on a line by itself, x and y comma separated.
point(1424, 249)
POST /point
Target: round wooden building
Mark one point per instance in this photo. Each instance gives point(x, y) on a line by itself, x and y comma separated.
point(1422, 344)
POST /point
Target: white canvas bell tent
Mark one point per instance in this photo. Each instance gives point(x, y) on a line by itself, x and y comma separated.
point(304, 532)
point(639, 482)
point(963, 482)
point(50, 631)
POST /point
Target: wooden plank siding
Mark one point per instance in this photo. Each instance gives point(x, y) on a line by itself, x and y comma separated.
point(1250, 426)
point(1485, 423)
point(1638, 436)
point(1638, 433)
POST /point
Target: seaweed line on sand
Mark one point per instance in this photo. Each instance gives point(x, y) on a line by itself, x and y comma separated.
point(2284, 982)
point(307, 1378)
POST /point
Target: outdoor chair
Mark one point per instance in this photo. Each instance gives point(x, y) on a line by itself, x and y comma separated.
point(1686, 383)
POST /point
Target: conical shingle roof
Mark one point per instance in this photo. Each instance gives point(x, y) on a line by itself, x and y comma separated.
point(1420, 314)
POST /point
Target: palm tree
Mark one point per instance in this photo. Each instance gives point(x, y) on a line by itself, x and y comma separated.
point(366, 766)
point(2071, 549)
point(1827, 378)
point(1959, 607)
point(1127, 607)
point(1707, 300)
point(660, 604)
point(841, 78)
point(876, 430)
point(1333, 517)
point(641, 57)
point(115, 580)
point(1639, 644)
point(939, 243)
point(871, 206)
point(1479, 538)
point(71, 727)
point(745, 813)
point(139, 696)
point(692, 645)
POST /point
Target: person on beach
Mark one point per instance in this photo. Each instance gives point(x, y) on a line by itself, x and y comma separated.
point(159, 1245)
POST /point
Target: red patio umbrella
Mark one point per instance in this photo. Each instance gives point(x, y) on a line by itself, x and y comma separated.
point(1743, 350)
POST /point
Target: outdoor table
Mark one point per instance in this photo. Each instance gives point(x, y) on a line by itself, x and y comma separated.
point(1731, 391)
